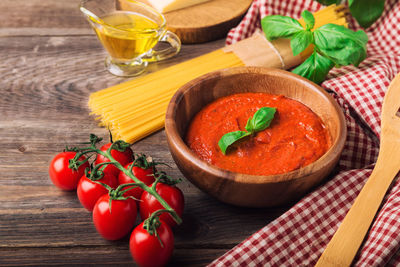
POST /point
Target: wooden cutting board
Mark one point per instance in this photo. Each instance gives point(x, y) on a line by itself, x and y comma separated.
point(207, 21)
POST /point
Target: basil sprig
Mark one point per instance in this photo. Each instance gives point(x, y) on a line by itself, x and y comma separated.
point(334, 45)
point(276, 26)
point(260, 121)
point(366, 12)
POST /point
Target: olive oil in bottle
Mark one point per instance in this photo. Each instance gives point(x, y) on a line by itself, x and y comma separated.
point(127, 35)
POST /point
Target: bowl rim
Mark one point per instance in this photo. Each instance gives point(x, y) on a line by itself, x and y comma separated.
point(174, 137)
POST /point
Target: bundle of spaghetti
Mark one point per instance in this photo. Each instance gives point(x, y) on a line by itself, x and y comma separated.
point(136, 108)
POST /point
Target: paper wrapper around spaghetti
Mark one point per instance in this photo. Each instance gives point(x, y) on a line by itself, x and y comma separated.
point(258, 51)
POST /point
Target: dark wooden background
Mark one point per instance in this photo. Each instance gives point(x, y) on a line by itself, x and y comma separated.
point(50, 61)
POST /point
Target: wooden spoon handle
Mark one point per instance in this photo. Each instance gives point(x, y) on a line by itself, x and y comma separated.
point(348, 238)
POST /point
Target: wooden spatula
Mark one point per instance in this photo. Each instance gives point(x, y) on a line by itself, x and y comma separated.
point(348, 238)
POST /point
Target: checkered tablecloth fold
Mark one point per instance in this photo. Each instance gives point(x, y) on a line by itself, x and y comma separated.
point(299, 236)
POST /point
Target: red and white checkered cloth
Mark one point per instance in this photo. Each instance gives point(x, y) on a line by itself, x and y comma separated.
point(299, 236)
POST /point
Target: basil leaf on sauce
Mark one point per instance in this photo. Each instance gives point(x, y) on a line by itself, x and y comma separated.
point(230, 138)
point(260, 121)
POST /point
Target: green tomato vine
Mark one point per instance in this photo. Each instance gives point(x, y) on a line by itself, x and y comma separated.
point(117, 194)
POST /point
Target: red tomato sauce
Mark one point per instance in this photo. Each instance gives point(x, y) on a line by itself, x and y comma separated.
point(295, 138)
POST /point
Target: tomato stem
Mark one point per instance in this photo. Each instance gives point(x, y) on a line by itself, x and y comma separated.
point(143, 186)
point(118, 192)
point(153, 222)
point(139, 183)
point(142, 162)
point(98, 171)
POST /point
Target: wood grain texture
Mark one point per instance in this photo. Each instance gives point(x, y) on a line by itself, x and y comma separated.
point(345, 243)
point(242, 189)
point(20, 17)
point(47, 74)
point(205, 22)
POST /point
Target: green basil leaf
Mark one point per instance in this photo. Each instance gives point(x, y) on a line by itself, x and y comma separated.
point(230, 138)
point(315, 68)
point(341, 45)
point(308, 19)
point(260, 120)
point(329, 2)
point(249, 126)
point(366, 12)
point(300, 41)
point(276, 26)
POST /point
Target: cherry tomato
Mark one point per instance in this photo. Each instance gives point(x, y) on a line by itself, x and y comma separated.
point(122, 157)
point(119, 222)
point(62, 176)
point(171, 194)
point(89, 192)
point(146, 249)
point(144, 175)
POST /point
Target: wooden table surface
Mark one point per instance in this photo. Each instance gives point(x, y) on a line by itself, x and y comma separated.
point(50, 61)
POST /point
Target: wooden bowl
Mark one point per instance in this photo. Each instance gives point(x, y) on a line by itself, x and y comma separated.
point(243, 189)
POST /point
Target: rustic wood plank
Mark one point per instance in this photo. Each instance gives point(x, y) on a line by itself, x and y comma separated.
point(46, 211)
point(41, 14)
point(115, 254)
point(62, 68)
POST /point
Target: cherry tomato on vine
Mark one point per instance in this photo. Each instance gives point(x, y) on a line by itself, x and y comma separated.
point(122, 157)
point(89, 192)
point(171, 194)
point(146, 249)
point(144, 175)
point(115, 224)
point(62, 176)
